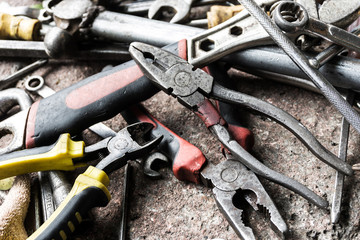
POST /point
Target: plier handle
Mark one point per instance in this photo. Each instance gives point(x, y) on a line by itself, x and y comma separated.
point(191, 87)
point(90, 188)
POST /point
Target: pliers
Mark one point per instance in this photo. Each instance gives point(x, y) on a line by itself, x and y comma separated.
point(177, 77)
point(192, 166)
point(90, 188)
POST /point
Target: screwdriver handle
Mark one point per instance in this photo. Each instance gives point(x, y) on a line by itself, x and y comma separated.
point(187, 160)
point(94, 99)
point(58, 156)
point(89, 191)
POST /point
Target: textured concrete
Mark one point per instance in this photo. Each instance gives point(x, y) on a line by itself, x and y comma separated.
point(170, 209)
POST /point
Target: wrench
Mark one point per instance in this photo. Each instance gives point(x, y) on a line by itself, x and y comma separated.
point(34, 13)
point(181, 7)
point(293, 19)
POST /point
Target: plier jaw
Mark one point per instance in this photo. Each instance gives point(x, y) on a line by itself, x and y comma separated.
point(172, 74)
point(229, 178)
point(131, 142)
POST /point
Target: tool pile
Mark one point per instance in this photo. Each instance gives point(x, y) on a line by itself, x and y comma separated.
point(219, 74)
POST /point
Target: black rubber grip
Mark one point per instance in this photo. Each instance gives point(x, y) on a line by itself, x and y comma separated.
point(71, 216)
point(87, 102)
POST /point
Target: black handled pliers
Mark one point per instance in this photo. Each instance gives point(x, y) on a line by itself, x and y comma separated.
point(191, 87)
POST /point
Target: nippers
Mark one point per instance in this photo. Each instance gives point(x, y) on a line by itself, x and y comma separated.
point(177, 77)
point(90, 188)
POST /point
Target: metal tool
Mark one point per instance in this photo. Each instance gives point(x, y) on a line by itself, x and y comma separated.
point(339, 179)
point(6, 82)
point(231, 177)
point(90, 188)
point(125, 202)
point(293, 19)
point(60, 186)
point(346, 12)
point(176, 76)
point(44, 125)
point(187, 168)
point(9, 98)
point(181, 7)
point(47, 200)
point(152, 162)
point(27, 11)
point(297, 56)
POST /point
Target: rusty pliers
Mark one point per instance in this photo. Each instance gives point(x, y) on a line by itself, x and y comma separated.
point(191, 87)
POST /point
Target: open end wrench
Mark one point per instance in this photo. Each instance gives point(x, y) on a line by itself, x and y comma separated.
point(303, 63)
point(181, 7)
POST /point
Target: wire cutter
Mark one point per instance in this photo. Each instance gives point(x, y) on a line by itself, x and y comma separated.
point(90, 188)
point(196, 168)
point(177, 77)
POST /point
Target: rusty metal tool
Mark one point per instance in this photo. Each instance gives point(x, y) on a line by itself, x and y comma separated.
point(339, 178)
point(125, 202)
point(47, 199)
point(303, 63)
point(6, 82)
point(177, 77)
point(90, 188)
point(181, 7)
point(294, 20)
point(188, 168)
point(31, 12)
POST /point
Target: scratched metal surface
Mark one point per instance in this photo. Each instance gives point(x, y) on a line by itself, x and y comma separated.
point(170, 209)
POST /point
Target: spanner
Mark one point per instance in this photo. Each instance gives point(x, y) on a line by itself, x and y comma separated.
point(35, 13)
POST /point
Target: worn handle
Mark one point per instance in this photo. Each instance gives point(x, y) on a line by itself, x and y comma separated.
point(58, 156)
point(187, 160)
point(89, 191)
point(87, 102)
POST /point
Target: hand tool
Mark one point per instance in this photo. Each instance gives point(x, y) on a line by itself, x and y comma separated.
point(90, 188)
point(346, 12)
point(182, 9)
point(31, 12)
point(60, 186)
point(152, 162)
point(299, 59)
point(125, 202)
point(44, 125)
point(65, 154)
point(186, 159)
point(339, 179)
point(47, 200)
point(9, 98)
point(294, 20)
point(188, 168)
point(37, 84)
point(36, 49)
point(12, 27)
point(6, 82)
point(185, 165)
point(142, 7)
point(12, 97)
point(175, 76)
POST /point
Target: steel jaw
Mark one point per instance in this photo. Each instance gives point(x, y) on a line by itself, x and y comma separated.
point(231, 176)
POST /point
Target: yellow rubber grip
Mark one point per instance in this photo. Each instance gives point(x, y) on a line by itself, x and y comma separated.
point(89, 190)
point(58, 158)
point(12, 27)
